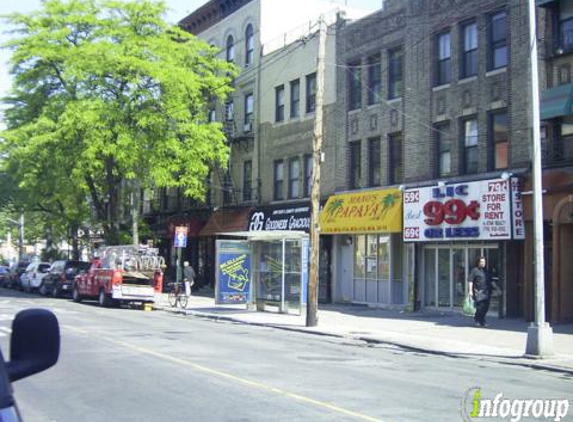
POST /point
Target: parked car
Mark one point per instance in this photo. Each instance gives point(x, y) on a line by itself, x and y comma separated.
point(60, 279)
point(16, 270)
point(4, 275)
point(34, 347)
point(31, 279)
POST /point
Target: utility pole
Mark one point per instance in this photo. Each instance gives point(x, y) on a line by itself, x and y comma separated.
point(539, 333)
point(312, 301)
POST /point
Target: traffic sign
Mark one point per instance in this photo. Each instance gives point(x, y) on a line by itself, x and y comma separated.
point(180, 238)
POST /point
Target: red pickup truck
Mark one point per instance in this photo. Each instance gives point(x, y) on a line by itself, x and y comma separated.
point(121, 274)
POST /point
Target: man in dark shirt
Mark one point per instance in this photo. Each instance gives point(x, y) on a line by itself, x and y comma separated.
point(480, 286)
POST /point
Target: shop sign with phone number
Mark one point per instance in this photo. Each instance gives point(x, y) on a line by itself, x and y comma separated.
point(482, 210)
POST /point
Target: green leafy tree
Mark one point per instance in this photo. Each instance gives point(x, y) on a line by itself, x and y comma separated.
point(107, 100)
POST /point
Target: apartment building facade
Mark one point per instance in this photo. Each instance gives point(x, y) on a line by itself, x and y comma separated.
point(436, 116)
point(268, 121)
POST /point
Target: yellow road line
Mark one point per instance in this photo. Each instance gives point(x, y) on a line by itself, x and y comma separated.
point(221, 374)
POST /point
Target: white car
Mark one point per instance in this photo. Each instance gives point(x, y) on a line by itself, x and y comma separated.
point(32, 277)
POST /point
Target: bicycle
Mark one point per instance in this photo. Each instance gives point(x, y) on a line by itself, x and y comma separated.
point(177, 294)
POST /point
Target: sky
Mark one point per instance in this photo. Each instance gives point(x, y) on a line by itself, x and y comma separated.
point(178, 9)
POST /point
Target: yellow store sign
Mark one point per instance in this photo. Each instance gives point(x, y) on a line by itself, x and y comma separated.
point(363, 212)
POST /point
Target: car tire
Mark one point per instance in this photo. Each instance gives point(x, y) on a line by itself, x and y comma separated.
point(76, 297)
point(42, 289)
point(103, 299)
point(56, 291)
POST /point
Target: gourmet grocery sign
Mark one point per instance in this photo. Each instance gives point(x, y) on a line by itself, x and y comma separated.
point(483, 210)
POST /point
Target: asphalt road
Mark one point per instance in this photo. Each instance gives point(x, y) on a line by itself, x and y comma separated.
point(131, 365)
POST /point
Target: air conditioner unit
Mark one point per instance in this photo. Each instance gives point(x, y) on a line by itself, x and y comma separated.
point(248, 127)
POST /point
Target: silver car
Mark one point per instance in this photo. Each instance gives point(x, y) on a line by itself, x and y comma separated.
point(32, 278)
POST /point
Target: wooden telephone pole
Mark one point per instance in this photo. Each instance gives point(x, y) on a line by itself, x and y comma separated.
point(312, 301)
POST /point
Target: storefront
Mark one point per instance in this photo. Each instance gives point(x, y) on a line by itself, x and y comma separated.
point(279, 235)
point(367, 247)
point(450, 226)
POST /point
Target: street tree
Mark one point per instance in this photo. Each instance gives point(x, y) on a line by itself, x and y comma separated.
point(107, 100)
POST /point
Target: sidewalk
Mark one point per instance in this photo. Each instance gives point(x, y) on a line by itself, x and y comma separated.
point(435, 332)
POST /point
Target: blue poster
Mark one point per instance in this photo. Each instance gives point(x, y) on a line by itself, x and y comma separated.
point(233, 272)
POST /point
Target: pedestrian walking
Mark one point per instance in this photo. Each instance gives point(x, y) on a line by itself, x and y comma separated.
point(188, 277)
point(480, 287)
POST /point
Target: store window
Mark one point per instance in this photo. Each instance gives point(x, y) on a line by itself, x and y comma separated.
point(446, 270)
point(378, 270)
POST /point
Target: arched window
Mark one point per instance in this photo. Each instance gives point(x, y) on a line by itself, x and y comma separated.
point(249, 45)
point(230, 49)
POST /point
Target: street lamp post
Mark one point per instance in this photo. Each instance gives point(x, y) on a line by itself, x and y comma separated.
point(539, 334)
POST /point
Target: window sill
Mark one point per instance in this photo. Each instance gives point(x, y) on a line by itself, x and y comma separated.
point(496, 72)
point(468, 79)
point(441, 87)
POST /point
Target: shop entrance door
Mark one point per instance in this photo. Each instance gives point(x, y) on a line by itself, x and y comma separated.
point(446, 271)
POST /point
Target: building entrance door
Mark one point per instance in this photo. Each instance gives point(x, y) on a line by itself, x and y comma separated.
point(446, 270)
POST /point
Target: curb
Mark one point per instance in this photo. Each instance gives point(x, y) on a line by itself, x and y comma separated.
point(534, 364)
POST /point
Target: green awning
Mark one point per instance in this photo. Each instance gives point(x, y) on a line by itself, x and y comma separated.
point(544, 3)
point(557, 102)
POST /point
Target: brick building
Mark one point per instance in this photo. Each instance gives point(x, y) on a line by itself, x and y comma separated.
point(437, 111)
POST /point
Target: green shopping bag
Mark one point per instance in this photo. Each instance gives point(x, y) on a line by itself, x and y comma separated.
point(468, 307)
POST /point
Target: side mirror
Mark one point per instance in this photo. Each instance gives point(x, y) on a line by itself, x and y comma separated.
point(35, 343)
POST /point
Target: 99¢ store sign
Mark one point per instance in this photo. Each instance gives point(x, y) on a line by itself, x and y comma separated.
point(484, 210)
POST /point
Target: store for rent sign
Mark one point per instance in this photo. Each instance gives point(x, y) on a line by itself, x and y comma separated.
point(484, 210)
